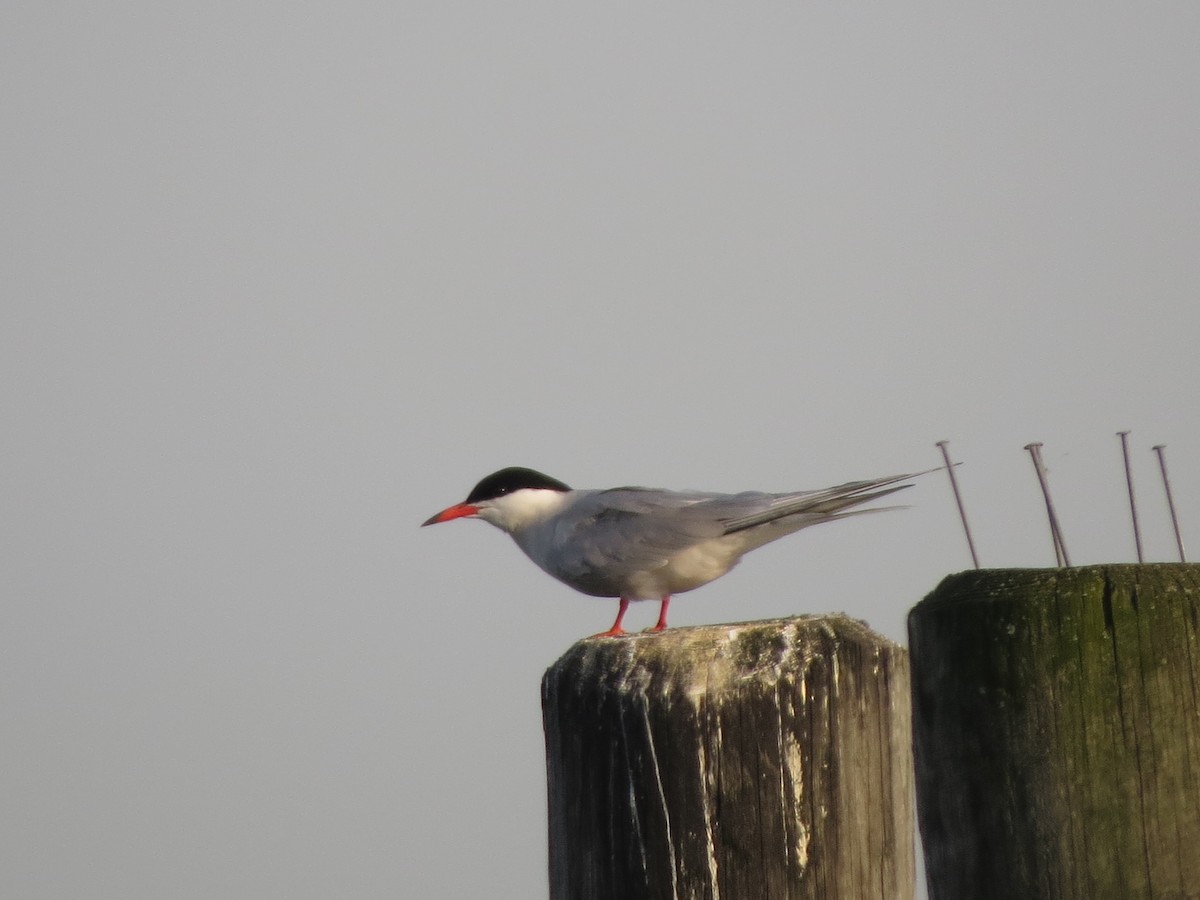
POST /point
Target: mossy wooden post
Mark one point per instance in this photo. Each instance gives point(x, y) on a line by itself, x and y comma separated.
point(761, 760)
point(1057, 733)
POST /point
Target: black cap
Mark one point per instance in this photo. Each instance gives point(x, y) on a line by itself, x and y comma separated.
point(512, 479)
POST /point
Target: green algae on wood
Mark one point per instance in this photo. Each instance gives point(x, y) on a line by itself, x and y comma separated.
point(1056, 718)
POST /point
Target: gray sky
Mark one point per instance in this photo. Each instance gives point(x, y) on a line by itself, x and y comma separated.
point(280, 281)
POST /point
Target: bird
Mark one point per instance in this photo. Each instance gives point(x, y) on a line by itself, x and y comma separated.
point(637, 543)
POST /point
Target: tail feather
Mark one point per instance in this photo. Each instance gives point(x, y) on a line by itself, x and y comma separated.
point(828, 504)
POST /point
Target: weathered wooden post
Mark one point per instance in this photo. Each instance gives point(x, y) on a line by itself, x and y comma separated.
point(1056, 719)
point(760, 760)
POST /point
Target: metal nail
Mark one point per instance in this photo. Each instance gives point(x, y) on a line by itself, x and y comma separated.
point(1060, 547)
point(1137, 532)
point(962, 512)
point(1160, 449)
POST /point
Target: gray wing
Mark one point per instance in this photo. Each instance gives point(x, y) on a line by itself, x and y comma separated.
point(615, 533)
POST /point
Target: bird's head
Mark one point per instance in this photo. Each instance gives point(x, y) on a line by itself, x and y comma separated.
point(511, 499)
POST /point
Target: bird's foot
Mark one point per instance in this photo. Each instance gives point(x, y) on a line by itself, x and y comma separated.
point(661, 624)
point(614, 632)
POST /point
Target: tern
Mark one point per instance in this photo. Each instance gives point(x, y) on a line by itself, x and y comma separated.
point(637, 543)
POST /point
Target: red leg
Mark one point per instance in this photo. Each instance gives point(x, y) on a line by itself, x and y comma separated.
point(662, 614)
point(616, 630)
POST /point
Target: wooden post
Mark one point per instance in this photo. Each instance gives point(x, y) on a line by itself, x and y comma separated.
point(1057, 733)
point(760, 760)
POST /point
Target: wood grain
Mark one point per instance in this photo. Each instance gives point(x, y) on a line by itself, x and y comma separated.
point(1057, 732)
point(759, 760)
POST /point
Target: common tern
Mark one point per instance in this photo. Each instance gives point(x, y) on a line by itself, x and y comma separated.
point(639, 543)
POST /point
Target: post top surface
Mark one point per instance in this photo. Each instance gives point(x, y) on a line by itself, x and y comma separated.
point(708, 658)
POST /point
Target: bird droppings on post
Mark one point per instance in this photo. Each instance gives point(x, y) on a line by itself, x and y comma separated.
point(769, 758)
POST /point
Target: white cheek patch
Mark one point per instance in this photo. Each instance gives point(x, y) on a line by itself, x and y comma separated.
point(522, 508)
